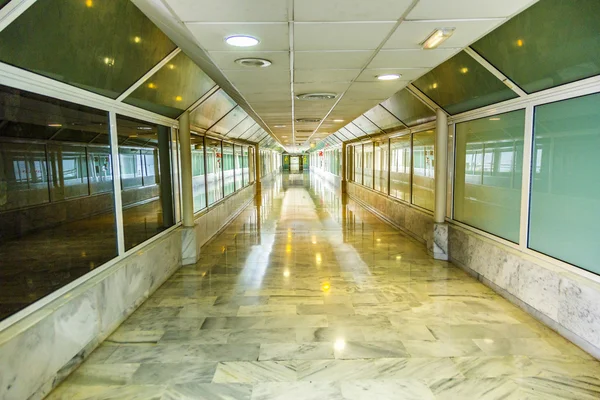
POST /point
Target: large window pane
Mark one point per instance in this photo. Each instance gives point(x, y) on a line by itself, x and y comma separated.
point(214, 173)
point(551, 43)
point(400, 167)
point(382, 160)
point(230, 121)
point(423, 183)
point(245, 166)
point(173, 88)
point(368, 165)
point(408, 108)
point(52, 230)
point(102, 46)
point(462, 84)
point(238, 160)
point(358, 164)
point(384, 119)
point(146, 178)
point(565, 194)
point(251, 164)
point(211, 110)
point(228, 168)
point(198, 173)
point(489, 158)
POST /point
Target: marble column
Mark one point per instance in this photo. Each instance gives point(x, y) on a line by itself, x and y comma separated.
point(438, 246)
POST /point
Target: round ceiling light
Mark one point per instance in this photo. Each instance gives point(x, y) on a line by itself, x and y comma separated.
point(388, 77)
point(253, 62)
point(242, 40)
point(316, 96)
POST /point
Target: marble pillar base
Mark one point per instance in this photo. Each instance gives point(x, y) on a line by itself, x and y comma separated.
point(189, 248)
point(438, 246)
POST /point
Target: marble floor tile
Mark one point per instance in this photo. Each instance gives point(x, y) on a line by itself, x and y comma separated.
point(297, 299)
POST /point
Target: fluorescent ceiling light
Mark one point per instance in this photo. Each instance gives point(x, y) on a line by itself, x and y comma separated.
point(338, 120)
point(437, 37)
point(279, 126)
point(242, 40)
point(388, 77)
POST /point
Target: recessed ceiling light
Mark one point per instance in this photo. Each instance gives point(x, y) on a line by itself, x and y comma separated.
point(279, 126)
point(284, 137)
point(253, 62)
point(388, 77)
point(54, 125)
point(316, 96)
point(437, 37)
point(338, 120)
point(495, 119)
point(308, 119)
point(242, 40)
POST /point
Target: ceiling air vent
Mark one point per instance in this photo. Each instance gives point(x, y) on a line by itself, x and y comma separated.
point(308, 119)
point(316, 96)
point(253, 62)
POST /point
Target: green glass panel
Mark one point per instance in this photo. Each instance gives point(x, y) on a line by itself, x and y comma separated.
point(408, 108)
point(565, 194)
point(462, 84)
point(489, 168)
point(3, 3)
point(241, 128)
point(366, 126)
point(400, 167)
point(551, 43)
point(250, 132)
point(229, 121)
point(212, 109)
point(382, 162)
point(101, 46)
point(423, 183)
point(228, 168)
point(173, 88)
point(383, 119)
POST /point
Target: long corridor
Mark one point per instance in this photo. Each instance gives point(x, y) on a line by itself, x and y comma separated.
point(310, 296)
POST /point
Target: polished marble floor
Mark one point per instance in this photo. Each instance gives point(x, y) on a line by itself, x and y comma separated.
point(308, 296)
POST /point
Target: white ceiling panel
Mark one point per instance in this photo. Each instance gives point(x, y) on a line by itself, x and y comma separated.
point(370, 75)
point(337, 88)
point(272, 36)
point(349, 10)
point(409, 35)
point(331, 59)
point(226, 59)
point(374, 90)
point(264, 76)
point(230, 10)
point(456, 9)
point(411, 58)
point(340, 36)
point(325, 75)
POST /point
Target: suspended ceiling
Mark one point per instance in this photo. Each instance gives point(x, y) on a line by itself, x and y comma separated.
point(337, 46)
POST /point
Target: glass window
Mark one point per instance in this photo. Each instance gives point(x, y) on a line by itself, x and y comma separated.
point(241, 128)
point(147, 206)
point(358, 164)
point(115, 44)
point(462, 84)
point(382, 160)
point(423, 183)
point(408, 108)
point(565, 194)
point(400, 161)
point(355, 130)
point(549, 44)
point(228, 168)
point(251, 163)
point(52, 231)
point(239, 176)
point(489, 158)
point(214, 172)
point(212, 110)
point(230, 121)
point(384, 119)
point(198, 173)
point(368, 165)
point(245, 166)
point(173, 88)
point(366, 126)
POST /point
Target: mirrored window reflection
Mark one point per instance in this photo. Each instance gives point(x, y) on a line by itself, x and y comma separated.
point(238, 161)
point(400, 161)
point(229, 121)
point(549, 44)
point(358, 164)
point(245, 166)
point(228, 168)
point(214, 170)
point(115, 43)
point(212, 110)
point(423, 183)
point(565, 194)
point(462, 84)
point(146, 179)
point(173, 88)
point(489, 167)
point(368, 164)
point(382, 159)
point(57, 218)
point(198, 173)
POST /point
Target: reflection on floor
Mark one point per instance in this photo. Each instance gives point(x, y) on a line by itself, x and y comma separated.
point(304, 297)
point(39, 263)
